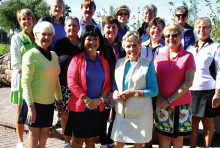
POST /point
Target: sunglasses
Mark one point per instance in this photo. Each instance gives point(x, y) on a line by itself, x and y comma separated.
point(179, 15)
point(171, 35)
point(120, 14)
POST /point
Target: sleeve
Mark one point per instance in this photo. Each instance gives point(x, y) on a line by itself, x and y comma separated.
point(217, 66)
point(108, 77)
point(73, 78)
point(58, 93)
point(151, 82)
point(28, 69)
point(190, 64)
point(15, 52)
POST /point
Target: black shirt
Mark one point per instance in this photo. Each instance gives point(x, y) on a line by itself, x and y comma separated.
point(65, 50)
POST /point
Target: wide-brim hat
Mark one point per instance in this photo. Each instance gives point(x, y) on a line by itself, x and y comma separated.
point(122, 7)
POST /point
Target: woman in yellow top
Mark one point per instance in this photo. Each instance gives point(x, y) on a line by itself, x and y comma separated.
point(40, 83)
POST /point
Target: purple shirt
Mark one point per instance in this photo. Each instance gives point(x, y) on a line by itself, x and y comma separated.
point(59, 33)
point(95, 77)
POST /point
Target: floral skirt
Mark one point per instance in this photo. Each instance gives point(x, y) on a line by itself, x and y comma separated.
point(66, 93)
point(174, 121)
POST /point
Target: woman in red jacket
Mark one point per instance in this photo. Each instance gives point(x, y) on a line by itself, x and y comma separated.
point(88, 78)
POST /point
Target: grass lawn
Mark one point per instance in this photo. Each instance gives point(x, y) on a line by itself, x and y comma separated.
point(2, 47)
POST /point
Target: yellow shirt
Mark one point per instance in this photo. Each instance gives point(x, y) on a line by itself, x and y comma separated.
point(40, 78)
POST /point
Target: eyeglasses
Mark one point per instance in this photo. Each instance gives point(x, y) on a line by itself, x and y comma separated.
point(120, 14)
point(171, 35)
point(179, 15)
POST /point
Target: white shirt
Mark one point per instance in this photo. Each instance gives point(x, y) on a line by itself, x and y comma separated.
point(203, 58)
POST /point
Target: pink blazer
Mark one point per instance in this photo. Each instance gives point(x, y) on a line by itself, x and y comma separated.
point(76, 80)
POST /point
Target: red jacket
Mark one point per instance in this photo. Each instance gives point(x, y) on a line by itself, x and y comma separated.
point(76, 80)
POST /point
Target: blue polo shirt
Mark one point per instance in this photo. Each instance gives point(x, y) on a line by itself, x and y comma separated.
point(121, 32)
point(95, 77)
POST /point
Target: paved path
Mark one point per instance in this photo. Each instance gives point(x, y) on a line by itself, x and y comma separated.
point(8, 137)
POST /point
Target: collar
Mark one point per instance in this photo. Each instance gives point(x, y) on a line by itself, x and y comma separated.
point(88, 58)
point(46, 53)
point(180, 52)
point(119, 28)
point(147, 43)
point(107, 43)
point(208, 42)
point(82, 22)
point(188, 27)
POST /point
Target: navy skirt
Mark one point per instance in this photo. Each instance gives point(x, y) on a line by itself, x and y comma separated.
point(84, 124)
point(44, 115)
point(202, 104)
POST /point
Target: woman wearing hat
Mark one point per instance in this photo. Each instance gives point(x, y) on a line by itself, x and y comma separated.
point(122, 13)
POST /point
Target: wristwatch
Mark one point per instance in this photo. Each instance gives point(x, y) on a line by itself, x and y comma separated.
point(169, 100)
point(136, 93)
point(102, 99)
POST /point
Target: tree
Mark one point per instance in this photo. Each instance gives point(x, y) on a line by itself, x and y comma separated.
point(136, 22)
point(215, 20)
point(67, 10)
point(9, 8)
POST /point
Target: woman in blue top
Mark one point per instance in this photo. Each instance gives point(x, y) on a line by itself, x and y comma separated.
point(57, 9)
point(136, 84)
point(122, 13)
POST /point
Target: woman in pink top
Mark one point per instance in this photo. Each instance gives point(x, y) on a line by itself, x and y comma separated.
point(175, 72)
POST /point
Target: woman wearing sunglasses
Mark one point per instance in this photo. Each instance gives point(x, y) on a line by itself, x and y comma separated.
point(181, 16)
point(175, 70)
point(122, 14)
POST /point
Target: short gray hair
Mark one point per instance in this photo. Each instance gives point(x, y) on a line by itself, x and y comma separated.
point(206, 19)
point(182, 8)
point(72, 18)
point(130, 35)
point(150, 7)
point(43, 26)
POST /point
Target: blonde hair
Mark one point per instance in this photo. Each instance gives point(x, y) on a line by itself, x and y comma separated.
point(43, 26)
point(173, 27)
point(25, 12)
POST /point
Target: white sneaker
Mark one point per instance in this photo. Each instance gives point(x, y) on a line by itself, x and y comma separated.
point(21, 145)
point(68, 145)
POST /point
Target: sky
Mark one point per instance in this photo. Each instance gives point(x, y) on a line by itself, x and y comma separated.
point(163, 7)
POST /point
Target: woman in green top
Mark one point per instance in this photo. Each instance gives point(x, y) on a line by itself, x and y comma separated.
point(40, 84)
point(20, 43)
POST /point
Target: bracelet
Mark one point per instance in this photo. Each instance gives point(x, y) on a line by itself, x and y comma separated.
point(88, 102)
point(102, 99)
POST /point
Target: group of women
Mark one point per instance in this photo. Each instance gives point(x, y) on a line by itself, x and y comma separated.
point(114, 77)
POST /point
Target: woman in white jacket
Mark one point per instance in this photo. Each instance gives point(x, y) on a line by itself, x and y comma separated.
point(136, 83)
point(20, 43)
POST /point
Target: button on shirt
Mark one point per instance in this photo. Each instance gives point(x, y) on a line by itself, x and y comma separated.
point(171, 74)
point(95, 77)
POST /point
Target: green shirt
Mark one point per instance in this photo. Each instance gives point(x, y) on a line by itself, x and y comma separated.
point(40, 80)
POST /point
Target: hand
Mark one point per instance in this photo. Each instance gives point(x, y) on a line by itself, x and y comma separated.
point(60, 111)
point(93, 103)
point(162, 102)
point(31, 116)
point(115, 95)
point(126, 94)
point(215, 101)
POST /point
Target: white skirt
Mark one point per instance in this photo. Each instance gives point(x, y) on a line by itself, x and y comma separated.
point(132, 129)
